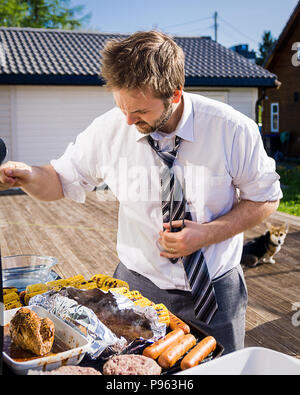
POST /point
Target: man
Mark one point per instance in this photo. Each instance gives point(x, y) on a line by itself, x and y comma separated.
point(159, 141)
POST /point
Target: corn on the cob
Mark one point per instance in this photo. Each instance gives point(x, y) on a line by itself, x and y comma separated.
point(135, 295)
point(99, 279)
point(121, 290)
point(12, 305)
point(86, 285)
point(36, 288)
point(56, 285)
point(10, 297)
point(111, 282)
point(9, 290)
point(75, 279)
point(162, 313)
point(143, 302)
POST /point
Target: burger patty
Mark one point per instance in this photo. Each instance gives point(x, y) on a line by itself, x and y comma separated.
point(66, 370)
point(131, 364)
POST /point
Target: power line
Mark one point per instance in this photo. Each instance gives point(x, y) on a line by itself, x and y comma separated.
point(187, 23)
point(238, 31)
point(198, 29)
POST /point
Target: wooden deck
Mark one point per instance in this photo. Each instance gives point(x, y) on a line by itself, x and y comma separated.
point(83, 239)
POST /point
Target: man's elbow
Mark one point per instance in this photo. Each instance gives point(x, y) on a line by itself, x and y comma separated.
point(272, 207)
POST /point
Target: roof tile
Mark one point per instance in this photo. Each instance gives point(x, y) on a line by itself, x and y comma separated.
point(49, 52)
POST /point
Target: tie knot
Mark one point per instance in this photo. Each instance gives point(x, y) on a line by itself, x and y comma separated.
point(168, 157)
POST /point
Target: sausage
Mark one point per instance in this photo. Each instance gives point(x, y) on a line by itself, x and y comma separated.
point(162, 344)
point(174, 352)
point(199, 352)
point(176, 322)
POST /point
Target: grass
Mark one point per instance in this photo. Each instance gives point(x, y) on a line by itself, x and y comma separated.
point(290, 183)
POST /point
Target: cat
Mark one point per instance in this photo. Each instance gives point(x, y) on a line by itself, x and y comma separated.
point(263, 248)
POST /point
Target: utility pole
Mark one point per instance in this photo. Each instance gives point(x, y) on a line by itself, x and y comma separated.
point(216, 26)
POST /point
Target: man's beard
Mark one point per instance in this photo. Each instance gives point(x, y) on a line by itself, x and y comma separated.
point(146, 128)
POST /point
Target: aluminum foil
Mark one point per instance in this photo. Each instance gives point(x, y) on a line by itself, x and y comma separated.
point(102, 340)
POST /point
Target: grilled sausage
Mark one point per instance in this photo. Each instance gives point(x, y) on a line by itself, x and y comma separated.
point(176, 322)
point(162, 344)
point(199, 352)
point(174, 352)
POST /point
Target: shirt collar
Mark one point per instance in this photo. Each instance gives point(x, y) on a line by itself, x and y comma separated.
point(185, 127)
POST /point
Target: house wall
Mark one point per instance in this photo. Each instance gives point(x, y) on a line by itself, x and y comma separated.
point(42, 120)
point(242, 99)
point(5, 117)
point(289, 76)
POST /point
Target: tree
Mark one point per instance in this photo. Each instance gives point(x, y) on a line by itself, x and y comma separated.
point(265, 47)
point(55, 14)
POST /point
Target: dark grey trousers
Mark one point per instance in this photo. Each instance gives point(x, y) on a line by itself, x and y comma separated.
point(228, 324)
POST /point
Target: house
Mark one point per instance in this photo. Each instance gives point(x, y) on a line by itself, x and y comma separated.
point(50, 88)
point(243, 49)
point(281, 108)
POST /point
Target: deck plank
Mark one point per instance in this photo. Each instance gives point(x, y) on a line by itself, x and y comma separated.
point(83, 239)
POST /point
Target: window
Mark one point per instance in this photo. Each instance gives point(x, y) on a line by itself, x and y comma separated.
point(274, 117)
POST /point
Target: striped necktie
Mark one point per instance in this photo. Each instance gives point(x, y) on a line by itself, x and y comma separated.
point(174, 207)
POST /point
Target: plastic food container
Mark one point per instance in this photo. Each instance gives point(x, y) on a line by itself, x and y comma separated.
point(21, 270)
point(249, 361)
point(77, 343)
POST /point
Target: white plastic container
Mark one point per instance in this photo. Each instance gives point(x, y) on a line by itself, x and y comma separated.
point(78, 345)
point(249, 361)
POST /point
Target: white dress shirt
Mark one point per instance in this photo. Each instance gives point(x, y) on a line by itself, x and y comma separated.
point(221, 156)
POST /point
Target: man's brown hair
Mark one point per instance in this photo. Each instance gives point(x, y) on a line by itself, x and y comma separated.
point(144, 59)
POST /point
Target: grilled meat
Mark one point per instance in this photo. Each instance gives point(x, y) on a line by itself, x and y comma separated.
point(125, 322)
point(32, 333)
point(131, 364)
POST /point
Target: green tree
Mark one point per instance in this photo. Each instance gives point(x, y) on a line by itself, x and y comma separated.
point(55, 14)
point(265, 47)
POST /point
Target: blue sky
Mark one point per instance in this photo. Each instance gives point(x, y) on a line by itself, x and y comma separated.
point(240, 22)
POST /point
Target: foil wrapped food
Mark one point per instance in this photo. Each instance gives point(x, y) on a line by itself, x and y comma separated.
point(110, 321)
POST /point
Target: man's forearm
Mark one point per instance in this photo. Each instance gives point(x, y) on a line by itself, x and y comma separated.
point(245, 215)
point(40, 182)
point(45, 184)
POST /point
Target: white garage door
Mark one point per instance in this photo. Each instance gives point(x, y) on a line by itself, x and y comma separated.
point(5, 118)
point(48, 118)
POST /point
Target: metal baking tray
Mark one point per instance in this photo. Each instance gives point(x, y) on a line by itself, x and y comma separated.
point(194, 330)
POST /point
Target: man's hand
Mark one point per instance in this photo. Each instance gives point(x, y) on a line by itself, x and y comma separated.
point(182, 243)
point(245, 215)
point(15, 174)
point(40, 182)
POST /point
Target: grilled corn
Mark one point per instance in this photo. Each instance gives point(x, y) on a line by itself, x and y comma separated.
point(12, 305)
point(10, 297)
point(162, 313)
point(9, 290)
point(86, 285)
point(36, 288)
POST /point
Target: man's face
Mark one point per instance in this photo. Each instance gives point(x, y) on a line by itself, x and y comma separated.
point(142, 109)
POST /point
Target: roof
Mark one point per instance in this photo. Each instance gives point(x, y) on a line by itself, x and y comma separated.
point(292, 21)
point(48, 56)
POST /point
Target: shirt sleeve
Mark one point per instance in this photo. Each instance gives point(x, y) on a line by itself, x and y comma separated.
point(253, 172)
point(77, 167)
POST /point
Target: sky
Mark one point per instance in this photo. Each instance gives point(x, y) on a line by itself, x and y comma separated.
point(239, 21)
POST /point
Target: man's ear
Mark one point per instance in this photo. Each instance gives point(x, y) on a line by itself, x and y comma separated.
point(177, 95)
